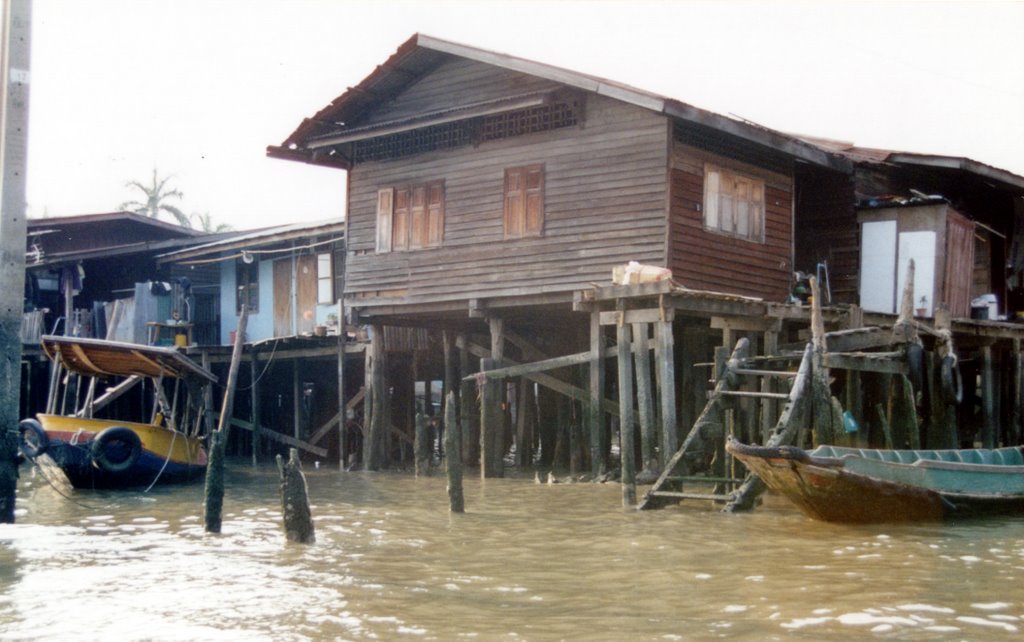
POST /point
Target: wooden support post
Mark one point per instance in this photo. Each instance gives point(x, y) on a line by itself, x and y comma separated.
point(665, 366)
point(649, 468)
point(215, 465)
point(1017, 417)
point(453, 391)
point(769, 407)
point(596, 422)
point(469, 418)
point(207, 397)
point(988, 399)
point(524, 442)
point(821, 395)
point(342, 414)
point(626, 417)
point(453, 466)
point(373, 443)
point(491, 421)
point(254, 403)
point(421, 446)
point(492, 427)
point(296, 401)
point(298, 518)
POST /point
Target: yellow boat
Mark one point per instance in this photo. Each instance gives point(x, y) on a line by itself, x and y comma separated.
point(111, 452)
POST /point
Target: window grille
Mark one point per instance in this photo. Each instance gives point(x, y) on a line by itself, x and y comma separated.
point(467, 132)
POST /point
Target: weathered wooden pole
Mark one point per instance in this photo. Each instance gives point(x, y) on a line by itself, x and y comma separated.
point(298, 518)
point(492, 415)
point(469, 421)
point(649, 467)
point(421, 446)
point(219, 438)
point(665, 365)
point(627, 420)
point(1017, 416)
point(15, 29)
point(821, 395)
point(988, 399)
point(373, 444)
point(453, 463)
point(254, 403)
point(595, 405)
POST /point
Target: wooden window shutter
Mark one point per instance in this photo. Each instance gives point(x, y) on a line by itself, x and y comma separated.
point(435, 213)
point(401, 220)
point(534, 224)
point(418, 217)
point(385, 209)
point(524, 201)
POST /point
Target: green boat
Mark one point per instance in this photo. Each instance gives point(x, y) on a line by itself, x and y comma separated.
point(839, 484)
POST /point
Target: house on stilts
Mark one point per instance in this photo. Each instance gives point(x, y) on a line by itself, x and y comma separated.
point(491, 198)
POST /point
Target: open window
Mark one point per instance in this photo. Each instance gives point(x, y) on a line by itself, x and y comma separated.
point(733, 204)
point(247, 286)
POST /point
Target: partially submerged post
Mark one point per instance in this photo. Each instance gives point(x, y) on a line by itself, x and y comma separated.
point(821, 395)
point(453, 463)
point(298, 519)
point(219, 438)
point(421, 446)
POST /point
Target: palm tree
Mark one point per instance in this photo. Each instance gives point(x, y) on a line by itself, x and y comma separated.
point(154, 200)
point(206, 224)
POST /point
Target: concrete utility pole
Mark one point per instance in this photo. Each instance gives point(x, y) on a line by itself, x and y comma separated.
point(14, 68)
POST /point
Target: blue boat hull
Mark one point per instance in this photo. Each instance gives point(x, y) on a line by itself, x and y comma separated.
point(77, 464)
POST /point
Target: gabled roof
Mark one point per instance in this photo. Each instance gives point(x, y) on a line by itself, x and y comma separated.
point(163, 228)
point(421, 54)
point(261, 238)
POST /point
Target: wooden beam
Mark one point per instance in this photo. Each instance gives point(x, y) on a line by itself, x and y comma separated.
point(886, 362)
point(278, 437)
point(111, 394)
point(646, 315)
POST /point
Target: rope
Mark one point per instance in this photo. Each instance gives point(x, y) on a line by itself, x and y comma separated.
point(60, 492)
point(167, 460)
point(265, 367)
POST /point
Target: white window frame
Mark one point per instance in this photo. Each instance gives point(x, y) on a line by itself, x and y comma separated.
point(734, 204)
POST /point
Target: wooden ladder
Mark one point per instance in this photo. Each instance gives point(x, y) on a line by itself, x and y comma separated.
point(709, 431)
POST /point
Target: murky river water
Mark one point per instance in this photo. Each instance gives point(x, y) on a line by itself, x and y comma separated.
point(527, 561)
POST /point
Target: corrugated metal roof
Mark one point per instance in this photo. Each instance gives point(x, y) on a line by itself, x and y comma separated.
point(258, 238)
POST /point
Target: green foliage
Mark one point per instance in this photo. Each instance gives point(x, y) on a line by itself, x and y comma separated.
point(153, 201)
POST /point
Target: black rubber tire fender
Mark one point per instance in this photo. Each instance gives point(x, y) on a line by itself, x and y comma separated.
point(119, 437)
point(32, 439)
point(952, 383)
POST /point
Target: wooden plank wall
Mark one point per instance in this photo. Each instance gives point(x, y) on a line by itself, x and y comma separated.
point(705, 260)
point(605, 201)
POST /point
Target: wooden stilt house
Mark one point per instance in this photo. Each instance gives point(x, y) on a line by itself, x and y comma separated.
point(489, 200)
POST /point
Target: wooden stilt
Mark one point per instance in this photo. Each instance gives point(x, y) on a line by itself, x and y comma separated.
point(626, 416)
point(342, 415)
point(595, 407)
point(373, 443)
point(492, 425)
point(254, 397)
point(649, 468)
point(665, 367)
point(470, 418)
point(988, 398)
point(453, 387)
point(821, 395)
point(296, 401)
point(523, 445)
point(421, 446)
point(453, 466)
point(1017, 417)
point(215, 465)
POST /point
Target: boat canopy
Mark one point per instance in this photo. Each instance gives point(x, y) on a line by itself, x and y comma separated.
point(100, 358)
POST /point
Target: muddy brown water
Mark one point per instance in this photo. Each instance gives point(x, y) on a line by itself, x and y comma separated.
point(526, 562)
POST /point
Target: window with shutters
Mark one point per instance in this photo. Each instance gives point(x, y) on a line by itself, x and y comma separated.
point(410, 217)
point(524, 201)
point(733, 204)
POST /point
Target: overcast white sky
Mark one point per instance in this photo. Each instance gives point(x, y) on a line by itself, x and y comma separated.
point(198, 89)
